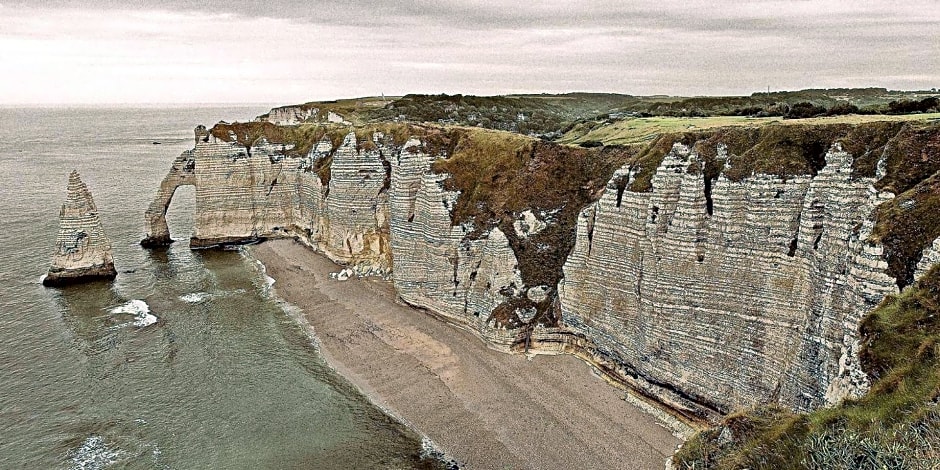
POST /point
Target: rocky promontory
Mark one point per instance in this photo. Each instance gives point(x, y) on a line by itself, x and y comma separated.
point(83, 251)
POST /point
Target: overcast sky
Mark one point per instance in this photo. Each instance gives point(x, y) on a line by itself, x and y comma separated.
point(279, 51)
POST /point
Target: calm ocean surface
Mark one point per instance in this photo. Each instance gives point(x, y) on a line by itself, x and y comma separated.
point(223, 379)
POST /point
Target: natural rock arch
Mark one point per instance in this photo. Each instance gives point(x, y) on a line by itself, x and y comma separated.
point(182, 173)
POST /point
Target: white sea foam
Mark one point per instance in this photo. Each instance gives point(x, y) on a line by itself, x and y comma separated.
point(94, 454)
point(430, 450)
point(139, 309)
point(195, 297)
point(268, 280)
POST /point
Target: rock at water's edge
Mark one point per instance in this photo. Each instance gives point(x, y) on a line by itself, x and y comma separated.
point(83, 251)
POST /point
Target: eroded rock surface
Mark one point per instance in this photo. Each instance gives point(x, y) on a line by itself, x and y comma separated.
point(83, 251)
point(757, 300)
point(707, 293)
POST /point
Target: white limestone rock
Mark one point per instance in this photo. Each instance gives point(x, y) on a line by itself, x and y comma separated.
point(929, 259)
point(83, 251)
point(757, 301)
point(342, 275)
point(538, 294)
point(528, 224)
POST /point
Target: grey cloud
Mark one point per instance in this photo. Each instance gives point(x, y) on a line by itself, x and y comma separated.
point(635, 46)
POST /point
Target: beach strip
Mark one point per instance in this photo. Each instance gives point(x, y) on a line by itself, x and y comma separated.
point(486, 409)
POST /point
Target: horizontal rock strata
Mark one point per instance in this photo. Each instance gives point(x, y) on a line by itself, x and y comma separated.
point(707, 294)
point(83, 251)
point(747, 294)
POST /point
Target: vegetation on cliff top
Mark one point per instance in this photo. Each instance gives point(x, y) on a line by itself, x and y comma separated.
point(550, 116)
point(298, 140)
point(526, 114)
point(641, 130)
point(895, 425)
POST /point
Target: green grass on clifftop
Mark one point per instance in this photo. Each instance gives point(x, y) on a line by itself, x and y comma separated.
point(895, 426)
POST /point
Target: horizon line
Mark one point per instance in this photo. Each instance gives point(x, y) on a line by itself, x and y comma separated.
point(130, 104)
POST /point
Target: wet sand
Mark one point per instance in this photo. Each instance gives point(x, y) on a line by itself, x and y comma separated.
point(486, 409)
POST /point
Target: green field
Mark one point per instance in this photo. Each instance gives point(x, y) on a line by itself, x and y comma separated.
point(633, 131)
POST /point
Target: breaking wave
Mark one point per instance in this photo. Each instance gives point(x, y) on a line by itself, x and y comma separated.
point(139, 309)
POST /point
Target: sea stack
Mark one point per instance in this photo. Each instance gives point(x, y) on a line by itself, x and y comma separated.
point(83, 251)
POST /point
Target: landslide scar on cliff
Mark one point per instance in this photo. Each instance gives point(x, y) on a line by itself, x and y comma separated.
point(554, 182)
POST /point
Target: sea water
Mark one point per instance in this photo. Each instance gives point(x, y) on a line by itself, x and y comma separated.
point(184, 361)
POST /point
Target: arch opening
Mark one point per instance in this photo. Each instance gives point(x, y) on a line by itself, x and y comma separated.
point(181, 213)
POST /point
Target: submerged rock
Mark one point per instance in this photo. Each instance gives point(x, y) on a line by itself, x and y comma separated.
point(83, 251)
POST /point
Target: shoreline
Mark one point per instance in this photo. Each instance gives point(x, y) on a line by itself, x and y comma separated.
point(481, 407)
point(298, 315)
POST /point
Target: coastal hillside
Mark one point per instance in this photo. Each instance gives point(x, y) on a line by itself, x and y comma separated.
point(551, 116)
point(711, 266)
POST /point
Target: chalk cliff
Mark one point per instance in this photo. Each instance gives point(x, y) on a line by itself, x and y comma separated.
point(83, 251)
point(750, 292)
point(699, 270)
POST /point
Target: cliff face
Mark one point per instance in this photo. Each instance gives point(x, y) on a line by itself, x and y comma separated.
point(83, 251)
point(248, 194)
point(436, 266)
point(694, 275)
point(733, 293)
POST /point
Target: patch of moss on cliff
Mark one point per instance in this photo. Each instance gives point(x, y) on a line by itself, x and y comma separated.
point(908, 224)
point(895, 425)
point(910, 157)
point(500, 175)
point(300, 139)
